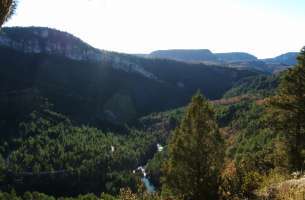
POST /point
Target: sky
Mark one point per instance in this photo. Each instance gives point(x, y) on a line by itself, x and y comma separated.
point(265, 28)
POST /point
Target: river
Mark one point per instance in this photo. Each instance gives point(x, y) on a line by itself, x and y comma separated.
point(148, 185)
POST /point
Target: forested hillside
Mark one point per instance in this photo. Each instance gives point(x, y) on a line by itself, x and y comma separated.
point(262, 86)
point(123, 127)
point(104, 91)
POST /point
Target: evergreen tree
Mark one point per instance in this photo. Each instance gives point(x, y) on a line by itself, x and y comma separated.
point(7, 8)
point(195, 154)
point(287, 110)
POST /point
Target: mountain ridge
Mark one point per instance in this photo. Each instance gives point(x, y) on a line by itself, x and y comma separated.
point(52, 41)
point(118, 88)
point(237, 60)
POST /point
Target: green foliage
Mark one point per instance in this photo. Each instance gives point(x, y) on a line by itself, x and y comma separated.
point(254, 144)
point(195, 154)
point(226, 114)
point(107, 197)
point(154, 166)
point(162, 123)
point(127, 194)
point(262, 85)
point(287, 111)
point(121, 107)
point(262, 137)
point(240, 181)
point(73, 159)
point(251, 182)
point(2, 168)
point(41, 196)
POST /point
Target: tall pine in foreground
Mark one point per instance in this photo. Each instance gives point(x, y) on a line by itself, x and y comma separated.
point(287, 109)
point(195, 154)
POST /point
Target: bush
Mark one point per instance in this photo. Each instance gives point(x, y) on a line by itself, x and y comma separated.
point(239, 182)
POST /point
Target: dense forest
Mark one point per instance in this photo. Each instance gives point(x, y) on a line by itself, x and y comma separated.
point(120, 128)
point(77, 123)
point(236, 148)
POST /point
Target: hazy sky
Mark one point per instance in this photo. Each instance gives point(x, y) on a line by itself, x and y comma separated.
point(264, 28)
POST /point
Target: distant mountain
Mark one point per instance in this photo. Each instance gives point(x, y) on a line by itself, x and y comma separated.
point(201, 55)
point(45, 40)
point(285, 59)
point(93, 86)
point(250, 64)
point(185, 55)
point(234, 59)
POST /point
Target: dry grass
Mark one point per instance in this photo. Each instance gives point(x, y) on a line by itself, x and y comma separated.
point(288, 190)
point(292, 190)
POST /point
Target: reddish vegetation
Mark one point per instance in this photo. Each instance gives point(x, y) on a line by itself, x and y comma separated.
point(233, 100)
point(261, 101)
point(238, 99)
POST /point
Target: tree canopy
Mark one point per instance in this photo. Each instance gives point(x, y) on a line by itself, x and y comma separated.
point(195, 154)
point(287, 110)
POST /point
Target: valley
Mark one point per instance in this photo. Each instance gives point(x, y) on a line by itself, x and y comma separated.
point(77, 122)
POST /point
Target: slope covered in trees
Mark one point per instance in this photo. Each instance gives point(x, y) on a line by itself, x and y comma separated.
point(62, 129)
point(105, 93)
point(287, 110)
point(261, 86)
point(50, 150)
point(264, 142)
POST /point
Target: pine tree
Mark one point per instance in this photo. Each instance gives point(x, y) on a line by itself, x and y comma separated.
point(287, 110)
point(7, 8)
point(195, 154)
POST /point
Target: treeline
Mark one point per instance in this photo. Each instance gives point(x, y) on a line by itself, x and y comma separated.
point(261, 86)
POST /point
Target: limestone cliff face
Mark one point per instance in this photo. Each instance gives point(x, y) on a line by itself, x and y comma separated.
point(49, 41)
point(53, 42)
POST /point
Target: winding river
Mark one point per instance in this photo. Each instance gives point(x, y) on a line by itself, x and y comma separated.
point(148, 185)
